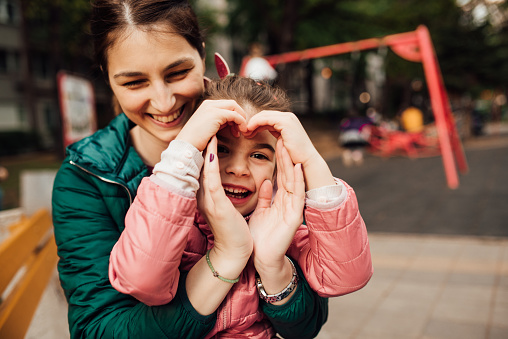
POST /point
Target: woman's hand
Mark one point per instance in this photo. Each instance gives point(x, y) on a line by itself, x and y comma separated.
point(273, 226)
point(209, 118)
point(231, 233)
point(297, 142)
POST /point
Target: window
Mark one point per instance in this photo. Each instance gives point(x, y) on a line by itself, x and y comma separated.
point(8, 11)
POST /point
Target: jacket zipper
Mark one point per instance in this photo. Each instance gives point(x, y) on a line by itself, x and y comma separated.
point(104, 179)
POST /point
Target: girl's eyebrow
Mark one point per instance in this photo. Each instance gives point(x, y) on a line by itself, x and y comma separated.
point(168, 67)
point(227, 140)
point(267, 146)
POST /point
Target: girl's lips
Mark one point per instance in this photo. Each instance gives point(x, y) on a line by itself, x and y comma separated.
point(237, 194)
point(169, 120)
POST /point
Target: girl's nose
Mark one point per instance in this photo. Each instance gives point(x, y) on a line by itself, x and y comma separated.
point(163, 98)
point(237, 166)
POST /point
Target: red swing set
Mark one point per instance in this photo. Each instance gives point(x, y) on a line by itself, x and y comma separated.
point(414, 46)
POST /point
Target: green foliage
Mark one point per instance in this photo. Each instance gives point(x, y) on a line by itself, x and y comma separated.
point(64, 20)
point(471, 57)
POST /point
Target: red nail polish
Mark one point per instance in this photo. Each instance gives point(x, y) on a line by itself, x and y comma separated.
point(212, 156)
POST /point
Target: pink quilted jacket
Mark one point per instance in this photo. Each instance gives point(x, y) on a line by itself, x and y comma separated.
point(164, 234)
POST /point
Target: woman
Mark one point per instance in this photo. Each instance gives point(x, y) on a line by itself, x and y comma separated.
point(152, 55)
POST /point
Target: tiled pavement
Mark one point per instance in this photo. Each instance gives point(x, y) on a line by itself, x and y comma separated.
point(424, 287)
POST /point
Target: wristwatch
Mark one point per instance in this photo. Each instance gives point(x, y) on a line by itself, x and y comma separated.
point(271, 298)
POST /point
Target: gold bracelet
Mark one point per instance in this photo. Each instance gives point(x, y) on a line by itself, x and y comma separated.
point(216, 274)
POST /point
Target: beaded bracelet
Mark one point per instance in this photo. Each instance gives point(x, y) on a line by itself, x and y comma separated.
point(216, 274)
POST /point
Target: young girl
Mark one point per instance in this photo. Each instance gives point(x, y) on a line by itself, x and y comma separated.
point(166, 235)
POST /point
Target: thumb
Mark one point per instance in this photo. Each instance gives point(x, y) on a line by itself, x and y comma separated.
point(265, 194)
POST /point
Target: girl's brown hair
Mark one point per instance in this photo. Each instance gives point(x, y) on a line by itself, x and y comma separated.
point(246, 91)
point(111, 18)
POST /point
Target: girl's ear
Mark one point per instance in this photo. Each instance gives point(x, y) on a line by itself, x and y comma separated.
point(221, 66)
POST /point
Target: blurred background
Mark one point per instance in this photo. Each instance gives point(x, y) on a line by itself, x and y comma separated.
point(440, 255)
point(40, 38)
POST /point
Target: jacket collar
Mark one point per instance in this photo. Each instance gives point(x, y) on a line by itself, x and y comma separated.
point(109, 154)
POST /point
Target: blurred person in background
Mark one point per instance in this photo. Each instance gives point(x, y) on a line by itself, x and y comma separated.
point(354, 137)
point(257, 67)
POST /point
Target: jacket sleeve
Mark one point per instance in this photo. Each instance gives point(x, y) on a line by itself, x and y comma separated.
point(144, 262)
point(333, 248)
point(85, 233)
point(302, 316)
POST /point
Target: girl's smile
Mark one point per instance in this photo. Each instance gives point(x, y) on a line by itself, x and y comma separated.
point(244, 165)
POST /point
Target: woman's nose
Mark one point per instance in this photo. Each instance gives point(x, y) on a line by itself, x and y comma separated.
point(163, 98)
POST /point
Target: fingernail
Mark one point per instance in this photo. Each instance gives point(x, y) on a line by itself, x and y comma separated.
point(212, 156)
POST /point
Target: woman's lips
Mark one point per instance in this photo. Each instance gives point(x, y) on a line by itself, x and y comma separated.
point(168, 119)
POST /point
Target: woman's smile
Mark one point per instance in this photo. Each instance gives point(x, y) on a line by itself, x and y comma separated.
point(168, 120)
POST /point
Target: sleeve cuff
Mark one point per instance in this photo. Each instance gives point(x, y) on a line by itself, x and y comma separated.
point(180, 166)
point(326, 197)
point(182, 294)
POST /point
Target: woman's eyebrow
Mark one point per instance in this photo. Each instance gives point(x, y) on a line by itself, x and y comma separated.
point(168, 67)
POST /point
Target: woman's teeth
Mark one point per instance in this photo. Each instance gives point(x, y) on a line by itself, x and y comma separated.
point(168, 118)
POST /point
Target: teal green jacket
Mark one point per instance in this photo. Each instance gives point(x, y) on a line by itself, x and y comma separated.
point(92, 192)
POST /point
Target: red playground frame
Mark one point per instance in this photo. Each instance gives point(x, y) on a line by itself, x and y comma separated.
point(414, 46)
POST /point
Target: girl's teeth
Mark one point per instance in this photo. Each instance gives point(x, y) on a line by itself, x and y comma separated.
point(235, 190)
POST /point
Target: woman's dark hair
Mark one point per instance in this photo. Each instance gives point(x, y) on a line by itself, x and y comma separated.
point(111, 18)
point(246, 91)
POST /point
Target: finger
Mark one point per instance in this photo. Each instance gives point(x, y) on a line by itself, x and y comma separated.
point(275, 119)
point(204, 172)
point(213, 187)
point(265, 195)
point(299, 201)
point(289, 175)
point(251, 134)
point(280, 168)
point(234, 130)
point(212, 174)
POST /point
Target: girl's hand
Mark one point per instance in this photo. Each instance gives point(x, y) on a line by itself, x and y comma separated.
point(209, 118)
point(231, 233)
point(297, 142)
point(273, 226)
point(288, 127)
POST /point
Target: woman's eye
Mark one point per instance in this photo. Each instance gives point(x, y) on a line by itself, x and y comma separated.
point(179, 74)
point(132, 84)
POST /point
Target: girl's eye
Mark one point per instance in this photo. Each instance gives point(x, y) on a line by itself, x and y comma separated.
point(260, 156)
point(222, 149)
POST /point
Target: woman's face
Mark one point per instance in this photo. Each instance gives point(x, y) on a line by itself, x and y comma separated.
point(156, 78)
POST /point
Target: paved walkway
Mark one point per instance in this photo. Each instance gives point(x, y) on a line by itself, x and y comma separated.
point(425, 287)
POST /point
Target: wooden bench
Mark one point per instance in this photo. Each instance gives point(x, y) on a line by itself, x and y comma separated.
point(27, 260)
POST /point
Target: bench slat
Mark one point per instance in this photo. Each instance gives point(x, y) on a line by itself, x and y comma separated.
point(17, 310)
point(18, 247)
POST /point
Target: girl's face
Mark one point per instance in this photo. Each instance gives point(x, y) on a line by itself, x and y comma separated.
point(244, 165)
point(156, 78)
